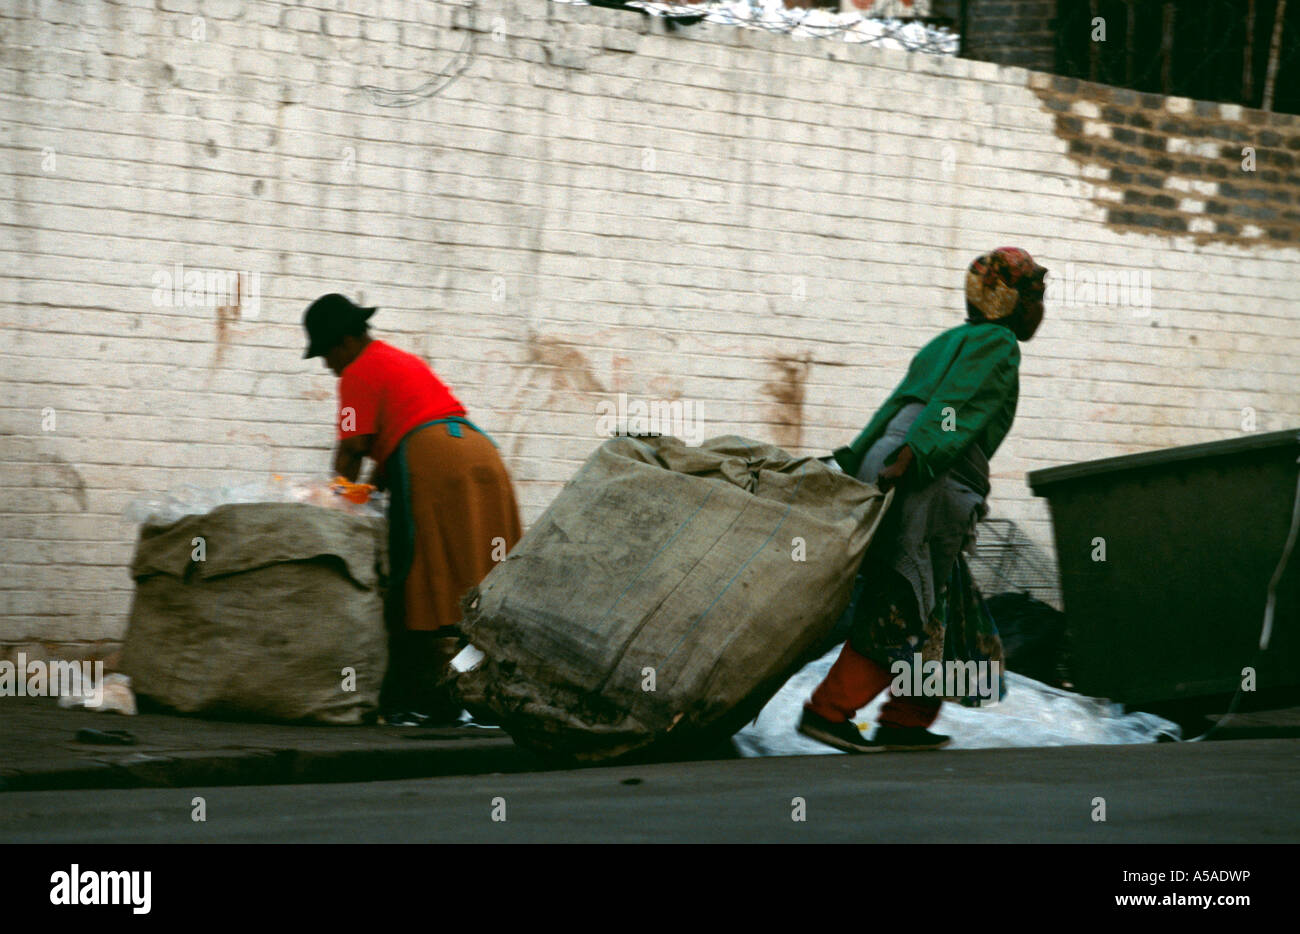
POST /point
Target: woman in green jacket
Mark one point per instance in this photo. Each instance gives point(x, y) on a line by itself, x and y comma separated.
point(932, 440)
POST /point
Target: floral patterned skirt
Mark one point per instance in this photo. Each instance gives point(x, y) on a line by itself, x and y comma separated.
point(887, 627)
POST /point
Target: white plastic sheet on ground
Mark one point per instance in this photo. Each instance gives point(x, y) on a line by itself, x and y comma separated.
point(1033, 714)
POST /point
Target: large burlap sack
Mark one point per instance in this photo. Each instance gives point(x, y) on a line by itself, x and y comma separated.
point(665, 595)
point(285, 598)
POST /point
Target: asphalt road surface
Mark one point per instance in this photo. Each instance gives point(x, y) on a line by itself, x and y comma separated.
point(1245, 791)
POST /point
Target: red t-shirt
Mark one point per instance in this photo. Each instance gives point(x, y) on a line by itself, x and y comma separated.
point(386, 392)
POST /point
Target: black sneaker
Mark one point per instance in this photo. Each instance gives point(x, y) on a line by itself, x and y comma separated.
point(907, 739)
point(842, 735)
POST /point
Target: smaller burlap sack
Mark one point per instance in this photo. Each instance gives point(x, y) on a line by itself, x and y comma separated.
point(286, 597)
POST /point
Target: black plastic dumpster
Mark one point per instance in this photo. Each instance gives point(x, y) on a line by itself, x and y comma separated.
point(1192, 537)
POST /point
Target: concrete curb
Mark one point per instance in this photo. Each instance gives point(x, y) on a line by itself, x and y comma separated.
point(263, 766)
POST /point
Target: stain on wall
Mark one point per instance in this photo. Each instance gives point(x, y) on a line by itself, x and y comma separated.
point(48, 471)
point(787, 394)
point(226, 316)
point(554, 368)
point(70, 479)
point(566, 366)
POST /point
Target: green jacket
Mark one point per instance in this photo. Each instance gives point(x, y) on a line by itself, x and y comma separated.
point(975, 369)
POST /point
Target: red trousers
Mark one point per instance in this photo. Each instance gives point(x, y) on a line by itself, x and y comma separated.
point(851, 684)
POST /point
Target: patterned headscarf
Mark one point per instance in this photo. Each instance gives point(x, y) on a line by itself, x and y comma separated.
point(995, 280)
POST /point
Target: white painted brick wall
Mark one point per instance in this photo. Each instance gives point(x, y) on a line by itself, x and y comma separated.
point(649, 214)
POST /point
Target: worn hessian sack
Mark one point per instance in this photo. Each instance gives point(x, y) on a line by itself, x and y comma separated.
point(264, 617)
point(665, 595)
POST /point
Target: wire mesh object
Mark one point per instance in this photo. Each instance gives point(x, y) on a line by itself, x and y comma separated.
point(1006, 560)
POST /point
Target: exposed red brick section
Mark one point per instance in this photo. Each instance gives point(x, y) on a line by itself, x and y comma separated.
point(1176, 166)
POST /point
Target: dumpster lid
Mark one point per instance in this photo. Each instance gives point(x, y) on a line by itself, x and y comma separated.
point(1048, 476)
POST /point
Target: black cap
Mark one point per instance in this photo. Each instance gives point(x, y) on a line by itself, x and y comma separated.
point(328, 320)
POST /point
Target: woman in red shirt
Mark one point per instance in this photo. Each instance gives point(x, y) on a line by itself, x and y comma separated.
point(452, 513)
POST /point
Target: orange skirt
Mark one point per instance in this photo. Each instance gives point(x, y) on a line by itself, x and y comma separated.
point(462, 508)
